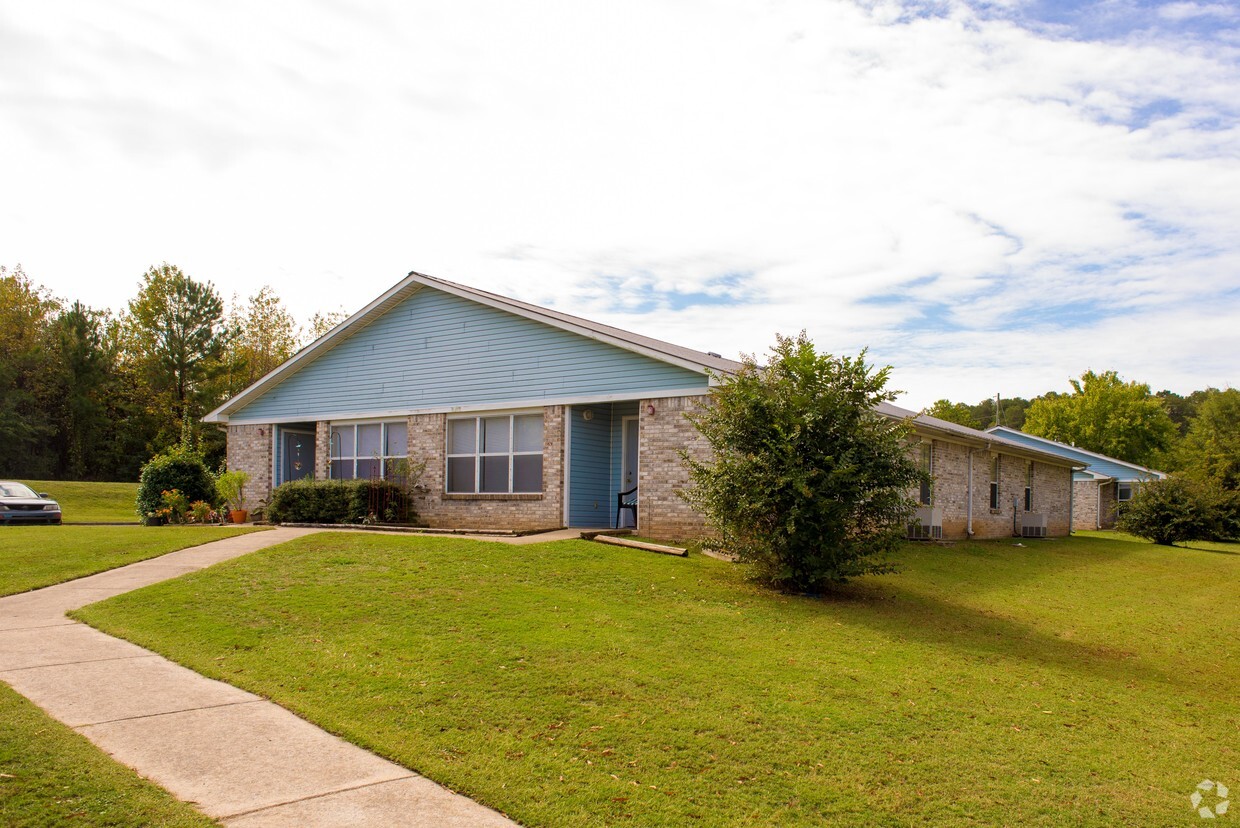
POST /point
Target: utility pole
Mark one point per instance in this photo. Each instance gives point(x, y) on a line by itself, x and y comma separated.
point(998, 412)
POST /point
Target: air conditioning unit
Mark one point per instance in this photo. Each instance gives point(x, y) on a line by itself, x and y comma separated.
point(927, 524)
point(1033, 525)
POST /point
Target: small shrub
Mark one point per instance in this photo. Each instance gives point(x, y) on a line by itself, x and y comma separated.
point(1178, 509)
point(806, 483)
point(174, 505)
point(230, 486)
point(179, 469)
point(201, 511)
point(339, 501)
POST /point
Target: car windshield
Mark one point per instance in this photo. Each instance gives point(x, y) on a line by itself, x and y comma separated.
point(16, 490)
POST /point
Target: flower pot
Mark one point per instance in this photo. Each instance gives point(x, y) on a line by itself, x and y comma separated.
point(238, 515)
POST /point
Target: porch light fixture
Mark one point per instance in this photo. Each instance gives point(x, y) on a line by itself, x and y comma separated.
point(650, 409)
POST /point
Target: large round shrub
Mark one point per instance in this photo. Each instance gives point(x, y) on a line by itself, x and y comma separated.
point(179, 468)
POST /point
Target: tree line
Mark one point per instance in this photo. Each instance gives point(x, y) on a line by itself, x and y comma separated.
point(86, 394)
point(1197, 435)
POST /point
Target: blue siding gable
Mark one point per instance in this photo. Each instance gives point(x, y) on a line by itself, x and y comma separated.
point(437, 350)
point(1126, 472)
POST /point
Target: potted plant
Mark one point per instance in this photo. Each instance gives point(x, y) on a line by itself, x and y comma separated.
point(230, 486)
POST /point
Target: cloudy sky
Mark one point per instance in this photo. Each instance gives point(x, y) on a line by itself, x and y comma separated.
point(991, 196)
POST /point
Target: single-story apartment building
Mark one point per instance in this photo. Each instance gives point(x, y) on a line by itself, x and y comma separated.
point(1100, 488)
point(528, 418)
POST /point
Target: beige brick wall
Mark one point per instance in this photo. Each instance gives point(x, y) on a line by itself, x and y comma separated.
point(322, 450)
point(1110, 504)
point(661, 513)
point(1085, 505)
point(951, 492)
point(249, 450)
point(428, 442)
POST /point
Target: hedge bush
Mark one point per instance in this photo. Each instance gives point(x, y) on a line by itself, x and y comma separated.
point(1180, 509)
point(180, 468)
point(340, 501)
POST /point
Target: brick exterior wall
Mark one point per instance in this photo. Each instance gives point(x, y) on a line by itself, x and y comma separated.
point(249, 450)
point(437, 508)
point(1051, 487)
point(1110, 505)
point(322, 450)
point(661, 513)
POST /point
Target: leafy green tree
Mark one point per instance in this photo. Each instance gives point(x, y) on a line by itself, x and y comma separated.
point(958, 413)
point(807, 483)
point(1106, 415)
point(321, 323)
point(1180, 509)
point(177, 339)
point(1211, 448)
point(262, 336)
point(26, 435)
point(84, 366)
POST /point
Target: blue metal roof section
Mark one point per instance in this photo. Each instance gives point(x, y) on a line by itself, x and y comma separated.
point(435, 349)
point(1099, 464)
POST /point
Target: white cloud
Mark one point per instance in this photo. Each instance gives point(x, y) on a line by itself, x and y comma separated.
point(600, 157)
point(1189, 11)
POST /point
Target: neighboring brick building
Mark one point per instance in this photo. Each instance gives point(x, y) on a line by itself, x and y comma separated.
point(1101, 484)
point(527, 418)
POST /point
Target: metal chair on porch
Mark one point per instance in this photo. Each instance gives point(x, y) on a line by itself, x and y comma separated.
point(624, 504)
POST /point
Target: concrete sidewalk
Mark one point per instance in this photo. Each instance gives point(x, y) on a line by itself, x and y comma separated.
point(242, 760)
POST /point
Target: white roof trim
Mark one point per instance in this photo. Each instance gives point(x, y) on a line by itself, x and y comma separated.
point(467, 408)
point(1049, 441)
point(954, 432)
point(410, 285)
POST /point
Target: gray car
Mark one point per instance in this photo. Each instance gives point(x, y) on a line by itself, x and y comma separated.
point(21, 504)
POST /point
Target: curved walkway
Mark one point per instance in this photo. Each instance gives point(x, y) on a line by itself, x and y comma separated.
point(241, 759)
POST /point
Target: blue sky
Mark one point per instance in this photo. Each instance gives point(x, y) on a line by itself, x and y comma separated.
point(990, 196)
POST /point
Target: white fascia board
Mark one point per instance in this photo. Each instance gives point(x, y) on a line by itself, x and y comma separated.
point(985, 440)
point(565, 325)
point(220, 414)
point(508, 405)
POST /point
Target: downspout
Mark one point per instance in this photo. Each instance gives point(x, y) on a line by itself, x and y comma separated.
point(969, 522)
point(1098, 516)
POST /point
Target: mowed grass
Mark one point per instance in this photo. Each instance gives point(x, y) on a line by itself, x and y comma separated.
point(51, 776)
point(82, 502)
point(39, 556)
point(1084, 682)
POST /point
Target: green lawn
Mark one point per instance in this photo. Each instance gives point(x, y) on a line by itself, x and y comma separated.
point(1083, 682)
point(38, 556)
point(51, 776)
point(91, 502)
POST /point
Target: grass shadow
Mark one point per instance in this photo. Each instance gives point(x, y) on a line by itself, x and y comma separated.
point(903, 614)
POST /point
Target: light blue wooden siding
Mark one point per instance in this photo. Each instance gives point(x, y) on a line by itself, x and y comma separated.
point(1111, 468)
point(437, 350)
point(590, 489)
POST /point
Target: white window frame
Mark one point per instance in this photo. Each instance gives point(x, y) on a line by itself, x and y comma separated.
point(996, 465)
point(1028, 485)
point(383, 458)
point(478, 454)
point(925, 491)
